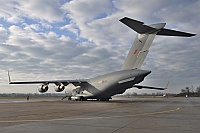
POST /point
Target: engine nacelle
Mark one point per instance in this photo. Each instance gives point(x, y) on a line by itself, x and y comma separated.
point(59, 88)
point(43, 88)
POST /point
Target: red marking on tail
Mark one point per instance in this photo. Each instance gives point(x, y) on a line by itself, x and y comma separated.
point(135, 51)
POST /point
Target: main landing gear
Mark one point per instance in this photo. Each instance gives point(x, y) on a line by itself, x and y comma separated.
point(103, 99)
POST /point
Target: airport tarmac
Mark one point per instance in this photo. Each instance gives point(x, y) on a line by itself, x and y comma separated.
point(120, 115)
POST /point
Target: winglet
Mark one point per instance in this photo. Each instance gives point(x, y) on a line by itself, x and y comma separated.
point(167, 84)
point(9, 79)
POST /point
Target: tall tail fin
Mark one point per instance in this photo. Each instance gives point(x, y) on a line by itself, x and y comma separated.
point(144, 39)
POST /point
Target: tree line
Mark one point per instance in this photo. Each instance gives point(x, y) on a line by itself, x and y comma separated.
point(190, 91)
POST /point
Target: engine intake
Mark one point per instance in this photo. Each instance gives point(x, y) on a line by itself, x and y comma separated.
point(43, 88)
point(59, 88)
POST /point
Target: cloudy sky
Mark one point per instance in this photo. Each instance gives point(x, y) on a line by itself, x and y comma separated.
point(60, 39)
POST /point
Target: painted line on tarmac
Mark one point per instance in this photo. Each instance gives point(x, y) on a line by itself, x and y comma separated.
point(93, 118)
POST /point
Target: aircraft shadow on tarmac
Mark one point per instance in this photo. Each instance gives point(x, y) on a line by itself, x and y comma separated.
point(131, 100)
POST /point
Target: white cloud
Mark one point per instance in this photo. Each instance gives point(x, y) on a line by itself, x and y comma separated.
point(91, 19)
point(15, 11)
point(42, 9)
point(45, 25)
point(37, 46)
point(85, 10)
point(35, 27)
point(3, 34)
point(64, 38)
point(9, 11)
point(70, 27)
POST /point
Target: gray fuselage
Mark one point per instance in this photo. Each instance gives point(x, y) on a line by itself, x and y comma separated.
point(105, 86)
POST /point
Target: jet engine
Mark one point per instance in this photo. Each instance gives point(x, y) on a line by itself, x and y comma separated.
point(43, 88)
point(59, 88)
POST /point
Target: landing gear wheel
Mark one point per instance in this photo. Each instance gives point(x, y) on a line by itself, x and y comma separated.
point(82, 99)
point(104, 99)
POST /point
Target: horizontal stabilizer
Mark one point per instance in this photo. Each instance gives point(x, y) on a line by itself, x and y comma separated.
point(140, 28)
point(168, 32)
point(148, 87)
point(136, 25)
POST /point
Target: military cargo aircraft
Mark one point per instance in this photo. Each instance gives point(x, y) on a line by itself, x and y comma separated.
point(105, 86)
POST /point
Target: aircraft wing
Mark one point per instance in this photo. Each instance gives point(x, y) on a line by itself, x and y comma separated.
point(148, 87)
point(56, 82)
